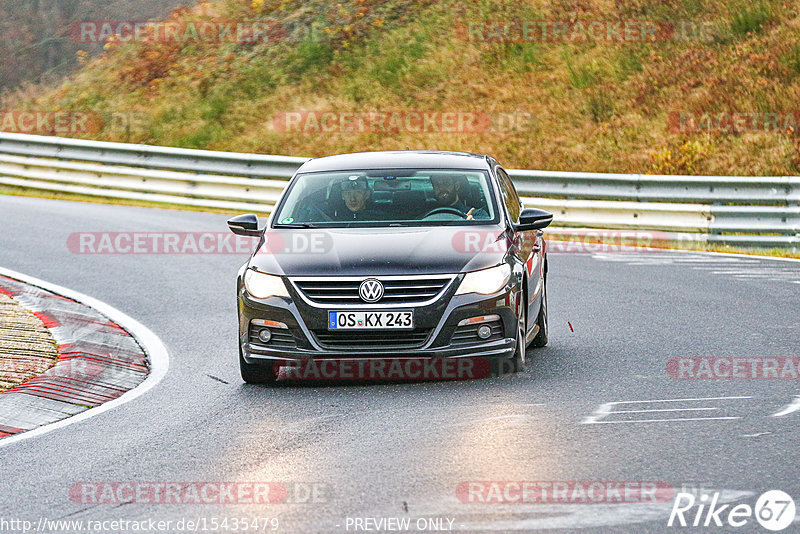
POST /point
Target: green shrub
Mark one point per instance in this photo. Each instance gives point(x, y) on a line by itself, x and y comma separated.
point(581, 77)
point(751, 18)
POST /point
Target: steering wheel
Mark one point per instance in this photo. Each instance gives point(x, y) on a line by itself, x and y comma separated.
point(445, 209)
point(322, 214)
point(313, 211)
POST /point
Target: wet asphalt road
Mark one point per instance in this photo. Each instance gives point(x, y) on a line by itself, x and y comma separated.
point(402, 450)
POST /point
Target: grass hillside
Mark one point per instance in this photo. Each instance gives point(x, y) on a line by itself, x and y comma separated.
point(579, 104)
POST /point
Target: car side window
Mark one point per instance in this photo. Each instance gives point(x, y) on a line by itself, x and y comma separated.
point(510, 197)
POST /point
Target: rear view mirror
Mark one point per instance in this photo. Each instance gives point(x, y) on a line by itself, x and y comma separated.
point(533, 219)
point(246, 225)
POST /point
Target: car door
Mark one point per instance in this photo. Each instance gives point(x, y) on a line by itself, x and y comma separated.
point(528, 244)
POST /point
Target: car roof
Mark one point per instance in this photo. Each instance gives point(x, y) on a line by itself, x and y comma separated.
point(397, 159)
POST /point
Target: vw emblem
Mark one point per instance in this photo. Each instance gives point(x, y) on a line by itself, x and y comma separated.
point(370, 290)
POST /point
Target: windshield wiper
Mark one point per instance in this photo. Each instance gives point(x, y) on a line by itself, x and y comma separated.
point(296, 225)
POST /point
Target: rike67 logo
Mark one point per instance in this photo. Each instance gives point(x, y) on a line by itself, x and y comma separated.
point(774, 510)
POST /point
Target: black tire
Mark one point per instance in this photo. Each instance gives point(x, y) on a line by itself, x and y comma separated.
point(518, 360)
point(541, 338)
point(260, 373)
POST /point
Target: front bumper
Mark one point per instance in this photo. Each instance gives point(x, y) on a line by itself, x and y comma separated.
point(504, 348)
point(440, 319)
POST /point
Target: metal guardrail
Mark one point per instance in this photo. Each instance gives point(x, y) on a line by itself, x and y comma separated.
point(737, 190)
point(152, 157)
point(747, 211)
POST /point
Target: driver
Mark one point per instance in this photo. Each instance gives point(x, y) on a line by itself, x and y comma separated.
point(357, 201)
point(447, 190)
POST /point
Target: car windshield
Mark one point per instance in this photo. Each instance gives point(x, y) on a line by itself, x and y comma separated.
point(388, 197)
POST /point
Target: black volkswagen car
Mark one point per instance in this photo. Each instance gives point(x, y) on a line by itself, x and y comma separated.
point(393, 256)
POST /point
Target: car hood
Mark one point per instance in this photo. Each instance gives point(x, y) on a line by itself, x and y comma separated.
point(380, 251)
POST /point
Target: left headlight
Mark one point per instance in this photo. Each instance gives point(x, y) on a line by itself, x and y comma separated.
point(487, 281)
point(262, 285)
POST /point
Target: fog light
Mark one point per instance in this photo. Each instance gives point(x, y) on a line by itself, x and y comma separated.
point(484, 332)
point(265, 335)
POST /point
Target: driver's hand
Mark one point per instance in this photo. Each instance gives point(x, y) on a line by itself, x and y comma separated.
point(469, 214)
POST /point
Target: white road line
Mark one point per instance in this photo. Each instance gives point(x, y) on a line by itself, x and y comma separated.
point(602, 411)
point(630, 257)
point(667, 410)
point(740, 275)
point(716, 269)
point(607, 409)
point(707, 255)
point(739, 268)
point(681, 400)
point(791, 408)
point(755, 276)
point(743, 257)
point(774, 273)
point(662, 420)
point(747, 271)
point(639, 263)
point(717, 261)
point(152, 345)
point(760, 270)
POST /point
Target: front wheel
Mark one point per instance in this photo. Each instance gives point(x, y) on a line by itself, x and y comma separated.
point(518, 360)
point(257, 373)
point(541, 321)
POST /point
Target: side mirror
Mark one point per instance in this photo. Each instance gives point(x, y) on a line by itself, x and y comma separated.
point(246, 225)
point(533, 219)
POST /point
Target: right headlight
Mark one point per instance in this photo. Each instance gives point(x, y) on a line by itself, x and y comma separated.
point(487, 281)
point(262, 285)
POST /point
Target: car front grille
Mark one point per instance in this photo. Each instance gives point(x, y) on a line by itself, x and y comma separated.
point(372, 340)
point(469, 333)
point(397, 290)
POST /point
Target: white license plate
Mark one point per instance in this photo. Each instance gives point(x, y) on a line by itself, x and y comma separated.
point(370, 320)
